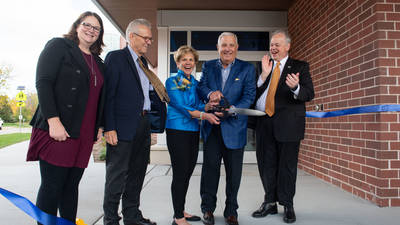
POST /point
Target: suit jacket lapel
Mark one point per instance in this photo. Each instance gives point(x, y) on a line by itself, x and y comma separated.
point(218, 77)
point(230, 78)
point(133, 67)
point(286, 70)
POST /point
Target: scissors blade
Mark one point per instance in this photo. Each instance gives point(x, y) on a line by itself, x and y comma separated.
point(248, 112)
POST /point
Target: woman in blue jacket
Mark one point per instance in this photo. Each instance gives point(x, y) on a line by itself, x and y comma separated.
point(182, 128)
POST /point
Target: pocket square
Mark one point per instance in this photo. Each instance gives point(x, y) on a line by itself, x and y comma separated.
point(236, 79)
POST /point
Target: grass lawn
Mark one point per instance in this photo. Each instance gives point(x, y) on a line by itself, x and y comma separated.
point(9, 139)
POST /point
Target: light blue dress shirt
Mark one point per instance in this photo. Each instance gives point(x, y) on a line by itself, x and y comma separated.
point(143, 80)
point(183, 98)
point(225, 72)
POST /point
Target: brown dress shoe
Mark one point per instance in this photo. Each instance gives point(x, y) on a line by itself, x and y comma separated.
point(231, 220)
point(208, 218)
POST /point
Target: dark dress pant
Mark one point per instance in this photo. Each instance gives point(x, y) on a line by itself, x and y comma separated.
point(126, 165)
point(277, 164)
point(59, 190)
point(214, 151)
point(183, 147)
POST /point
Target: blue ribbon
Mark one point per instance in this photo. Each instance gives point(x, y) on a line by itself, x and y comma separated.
point(29, 208)
point(46, 219)
point(355, 110)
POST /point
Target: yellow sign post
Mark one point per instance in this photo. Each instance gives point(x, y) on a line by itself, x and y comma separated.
point(21, 104)
point(21, 96)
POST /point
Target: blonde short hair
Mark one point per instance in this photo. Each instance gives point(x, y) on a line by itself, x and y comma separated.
point(183, 50)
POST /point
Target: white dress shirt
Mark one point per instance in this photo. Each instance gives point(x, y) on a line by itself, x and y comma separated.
point(260, 105)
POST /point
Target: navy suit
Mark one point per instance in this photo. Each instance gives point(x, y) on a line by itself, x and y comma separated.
point(228, 139)
point(126, 162)
point(124, 103)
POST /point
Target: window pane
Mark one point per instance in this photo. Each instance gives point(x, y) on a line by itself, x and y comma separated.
point(199, 65)
point(178, 38)
point(198, 74)
point(248, 41)
point(253, 41)
point(172, 65)
point(205, 40)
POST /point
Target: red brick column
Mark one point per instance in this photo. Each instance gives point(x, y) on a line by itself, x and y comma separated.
point(353, 48)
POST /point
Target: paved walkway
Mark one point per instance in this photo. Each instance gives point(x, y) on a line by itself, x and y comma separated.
point(10, 130)
point(316, 202)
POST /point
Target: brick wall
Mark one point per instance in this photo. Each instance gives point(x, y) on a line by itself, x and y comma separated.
point(353, 47)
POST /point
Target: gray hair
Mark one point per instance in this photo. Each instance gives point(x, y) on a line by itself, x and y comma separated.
point(133, 27)
point(227, 34)
point(284, 32)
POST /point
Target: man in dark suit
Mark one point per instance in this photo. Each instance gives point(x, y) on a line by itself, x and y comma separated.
point(282, 94)
point(235, 80)
point(127, 126)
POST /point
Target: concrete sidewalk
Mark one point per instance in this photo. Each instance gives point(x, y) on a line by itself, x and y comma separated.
point(316, 202)
point(11, 130)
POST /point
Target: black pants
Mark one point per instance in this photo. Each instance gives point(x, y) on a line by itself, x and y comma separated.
point(183, 147)
point(59, 190)
point(277, 164)
point(214, 151)
point(126, 165)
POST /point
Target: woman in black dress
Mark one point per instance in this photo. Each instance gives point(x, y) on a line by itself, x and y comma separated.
point(69, 82)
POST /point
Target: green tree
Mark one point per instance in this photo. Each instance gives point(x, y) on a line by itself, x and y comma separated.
point(32, 102)
point(6, 113)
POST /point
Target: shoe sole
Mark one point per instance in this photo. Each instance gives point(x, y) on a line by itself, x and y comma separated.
point(207, 223)
point(193, 218)
point(289, 220)
point(261, 216)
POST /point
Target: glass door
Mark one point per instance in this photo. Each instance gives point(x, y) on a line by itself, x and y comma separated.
point(253, 45)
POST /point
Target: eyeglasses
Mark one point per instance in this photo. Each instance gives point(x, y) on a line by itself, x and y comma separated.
point(89, 26)
point(147, 39)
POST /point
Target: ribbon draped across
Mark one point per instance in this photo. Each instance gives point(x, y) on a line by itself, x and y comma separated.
point(47, 219)
point(355, 110)
point(29, 208)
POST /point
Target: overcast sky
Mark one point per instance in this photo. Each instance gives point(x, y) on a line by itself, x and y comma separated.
point(27, 25)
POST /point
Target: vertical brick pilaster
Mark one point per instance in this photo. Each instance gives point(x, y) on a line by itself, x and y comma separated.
point(353, 49)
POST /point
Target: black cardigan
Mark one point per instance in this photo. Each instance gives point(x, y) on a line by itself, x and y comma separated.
point(62, 83)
